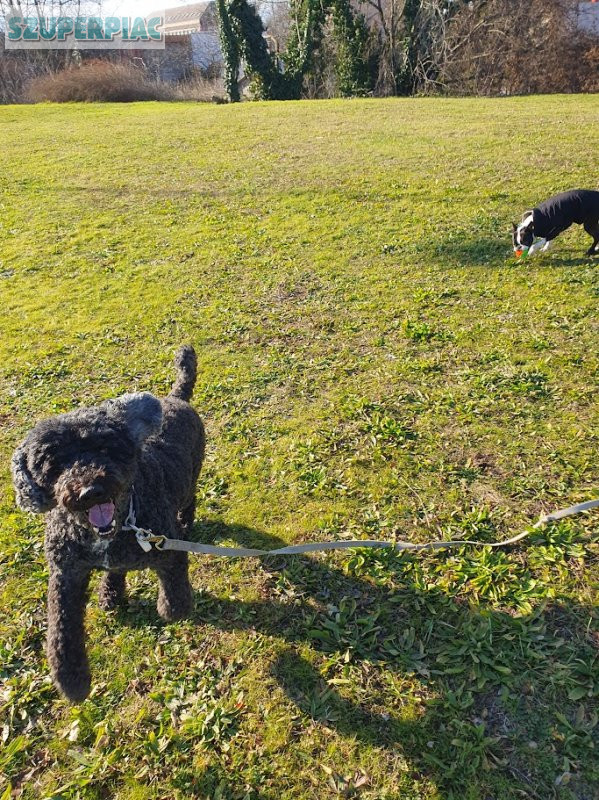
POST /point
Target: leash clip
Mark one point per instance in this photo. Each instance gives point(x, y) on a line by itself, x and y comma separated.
point(146, 539)
point(143, 540)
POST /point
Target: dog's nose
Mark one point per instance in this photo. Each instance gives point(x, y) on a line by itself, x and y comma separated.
point(92, 494)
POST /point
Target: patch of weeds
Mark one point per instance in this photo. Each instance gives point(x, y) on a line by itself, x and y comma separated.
point(476, 655)
point(376, 564)
point(427, 366)
point(477, 523)
point(576, 734)
point(539, 343)
point(23, 697)
point(43, 376)
point(554, 551)
point(13, 754)
point(213, 724)
point(422, 332)
point(349, 629)
point(471, 750)
point(582, 678)
point(345, 785)
point(308, 461)
point(239, 429)
point(467, 472)
point(488, 575)
point(434, 297)
point(319, 706)
point(383, 424)
point(529, 383)
point(200, 706)
point(213, 491)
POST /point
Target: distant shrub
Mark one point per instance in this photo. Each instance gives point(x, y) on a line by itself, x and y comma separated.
point(202, 89)
point(97, 82)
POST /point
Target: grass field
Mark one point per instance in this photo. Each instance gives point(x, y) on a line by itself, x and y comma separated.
point(373, 363)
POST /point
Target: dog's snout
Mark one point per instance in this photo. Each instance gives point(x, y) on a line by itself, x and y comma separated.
point(92, 494)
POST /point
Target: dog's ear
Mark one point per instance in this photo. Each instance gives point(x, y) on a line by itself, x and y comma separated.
point(141, 412)
point(30, 496)
point(514, 227)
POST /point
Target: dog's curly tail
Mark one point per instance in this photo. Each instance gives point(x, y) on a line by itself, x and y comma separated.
point(186, 364)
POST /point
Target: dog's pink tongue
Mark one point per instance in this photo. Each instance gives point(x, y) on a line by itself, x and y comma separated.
point(101, 515)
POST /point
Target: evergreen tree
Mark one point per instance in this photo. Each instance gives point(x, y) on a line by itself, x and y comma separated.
point(229, 42)
point(351, 36)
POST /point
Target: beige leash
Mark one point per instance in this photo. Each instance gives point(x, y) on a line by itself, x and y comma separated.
point(148, 540)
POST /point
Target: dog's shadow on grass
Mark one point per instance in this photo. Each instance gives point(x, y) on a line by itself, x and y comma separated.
point(407, 635)
point(472, 251)
point(497, 252)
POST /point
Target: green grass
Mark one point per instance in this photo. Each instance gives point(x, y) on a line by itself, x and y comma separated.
point(373, 363)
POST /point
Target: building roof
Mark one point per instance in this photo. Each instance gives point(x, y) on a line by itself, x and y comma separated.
point(184, 18)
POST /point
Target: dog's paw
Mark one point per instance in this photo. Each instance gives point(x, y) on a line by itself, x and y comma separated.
point(109, 602)
point(175, 606)
point(74, 685)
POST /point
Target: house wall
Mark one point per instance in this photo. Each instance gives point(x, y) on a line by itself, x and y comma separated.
point(588, 18)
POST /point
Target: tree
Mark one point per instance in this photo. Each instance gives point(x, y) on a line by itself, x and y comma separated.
point(353, 58)
point(548, 54)
point(281, 77)
point(230, 47)
point(412, 40)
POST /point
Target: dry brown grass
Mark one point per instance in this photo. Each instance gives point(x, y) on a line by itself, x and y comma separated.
point(201, 89)
point(97, 81)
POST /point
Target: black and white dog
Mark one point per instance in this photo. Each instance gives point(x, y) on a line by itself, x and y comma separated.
point(549, 219)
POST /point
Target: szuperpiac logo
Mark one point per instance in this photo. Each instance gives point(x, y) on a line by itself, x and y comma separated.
point(83, 32)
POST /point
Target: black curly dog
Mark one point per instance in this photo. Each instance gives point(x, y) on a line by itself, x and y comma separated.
point(81, 469)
